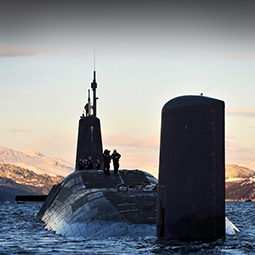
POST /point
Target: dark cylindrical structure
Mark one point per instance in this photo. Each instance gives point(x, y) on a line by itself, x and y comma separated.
point(89, 142)
point(191, 193)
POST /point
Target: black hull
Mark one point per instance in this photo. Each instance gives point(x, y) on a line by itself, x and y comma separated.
point(91, 204)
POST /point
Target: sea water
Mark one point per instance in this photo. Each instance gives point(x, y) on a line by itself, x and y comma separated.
point(22, 233)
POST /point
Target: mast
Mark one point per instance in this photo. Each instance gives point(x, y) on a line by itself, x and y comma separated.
point(89, 104)
point(94, 87)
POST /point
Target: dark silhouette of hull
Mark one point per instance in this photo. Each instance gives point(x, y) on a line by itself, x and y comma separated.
point(91, 204)
point(191, 197)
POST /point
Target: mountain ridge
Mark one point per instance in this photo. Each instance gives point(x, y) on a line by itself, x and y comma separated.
point(235, 171)
point(35, 161)
point(34, 172)
point(15, 180)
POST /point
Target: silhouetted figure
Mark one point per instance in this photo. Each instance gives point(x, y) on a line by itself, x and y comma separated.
point(86, 107)
point(90, 163)
point(79, 164)
point(85, 164)
point(115, 157)
point(98, 165)
point(82, 165)
point(107, 161)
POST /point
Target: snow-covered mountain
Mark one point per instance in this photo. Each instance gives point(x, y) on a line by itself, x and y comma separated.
point(35, 161)
point(234, 171)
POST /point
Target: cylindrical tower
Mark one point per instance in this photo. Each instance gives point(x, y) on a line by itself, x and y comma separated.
point(89, 142)
point(191, 192)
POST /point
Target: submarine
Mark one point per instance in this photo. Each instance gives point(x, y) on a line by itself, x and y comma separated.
point(91, 203)
point(187, 202)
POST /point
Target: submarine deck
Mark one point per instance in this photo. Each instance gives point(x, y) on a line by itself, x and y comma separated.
point(89, 199)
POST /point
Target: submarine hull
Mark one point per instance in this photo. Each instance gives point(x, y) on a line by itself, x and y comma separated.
point(91, 204)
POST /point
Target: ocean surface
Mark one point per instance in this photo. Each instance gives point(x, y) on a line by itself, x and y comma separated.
point(22, 233)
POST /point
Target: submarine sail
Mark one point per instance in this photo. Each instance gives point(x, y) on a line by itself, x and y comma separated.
point(89, 141)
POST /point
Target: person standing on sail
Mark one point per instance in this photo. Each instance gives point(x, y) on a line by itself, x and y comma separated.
point(115, 157)
point(86, 107)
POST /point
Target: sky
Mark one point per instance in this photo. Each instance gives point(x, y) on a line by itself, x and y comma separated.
point(145, 53)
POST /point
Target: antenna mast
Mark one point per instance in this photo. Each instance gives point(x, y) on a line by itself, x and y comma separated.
point(94, 87)
point(94, 57)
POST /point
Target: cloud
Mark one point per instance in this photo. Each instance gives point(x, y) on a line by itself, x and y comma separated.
point(249, 165)
point(230, 144)
point(229, 137)
point(239, 155)
point(13, 51)
point(127, 141)
point(237, 56)
point(139, 158)
point(21, 131)
point(140, 154)
point(242, 112)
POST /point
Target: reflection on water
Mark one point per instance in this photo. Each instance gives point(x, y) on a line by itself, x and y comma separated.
point(22, 233)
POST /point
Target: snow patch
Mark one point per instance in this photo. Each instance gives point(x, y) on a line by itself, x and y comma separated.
point(35, 161)
point(32, 152)
point(234, 179)
point(250, 181)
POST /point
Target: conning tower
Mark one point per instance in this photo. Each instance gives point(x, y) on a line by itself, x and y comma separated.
point(89, 141)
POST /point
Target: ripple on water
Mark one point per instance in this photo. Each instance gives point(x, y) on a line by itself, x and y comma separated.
point(22, 233)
